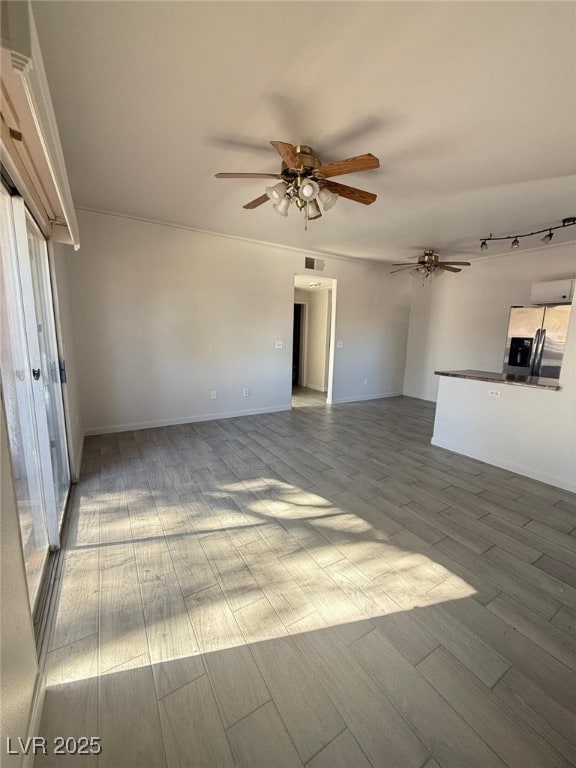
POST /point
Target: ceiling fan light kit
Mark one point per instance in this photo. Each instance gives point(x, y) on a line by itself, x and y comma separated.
point(308, 190)
point(282, 206)
point(305, 181)
point(569, 221)
point(327, 198)
point(313, 210)
point(277, 192)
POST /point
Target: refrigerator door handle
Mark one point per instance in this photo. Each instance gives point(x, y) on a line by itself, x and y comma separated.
point(534, 354)
point(540, 351)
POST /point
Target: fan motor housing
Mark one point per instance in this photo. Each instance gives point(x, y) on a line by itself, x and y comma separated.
point(307, 157)
point(429, 257)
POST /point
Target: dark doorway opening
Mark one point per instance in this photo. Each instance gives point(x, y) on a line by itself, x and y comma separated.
point(297, 345)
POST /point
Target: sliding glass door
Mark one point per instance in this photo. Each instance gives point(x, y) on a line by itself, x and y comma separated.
point(49, 365)
point(31, 387)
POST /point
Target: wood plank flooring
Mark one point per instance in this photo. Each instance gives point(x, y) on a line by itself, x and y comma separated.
point(318, 588)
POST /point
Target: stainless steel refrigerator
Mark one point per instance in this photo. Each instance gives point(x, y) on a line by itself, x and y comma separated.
point(536, 340)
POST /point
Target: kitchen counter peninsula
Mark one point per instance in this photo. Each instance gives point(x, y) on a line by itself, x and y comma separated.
point(519, 423)
point(503, 378)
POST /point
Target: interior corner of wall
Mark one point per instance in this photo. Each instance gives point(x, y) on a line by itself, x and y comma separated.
point(35, 714)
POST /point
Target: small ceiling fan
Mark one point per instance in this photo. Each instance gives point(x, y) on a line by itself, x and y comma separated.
point(428, 264)
point(305, 180)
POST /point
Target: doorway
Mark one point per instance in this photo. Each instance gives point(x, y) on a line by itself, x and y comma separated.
point(298, 342)
point(312, 346)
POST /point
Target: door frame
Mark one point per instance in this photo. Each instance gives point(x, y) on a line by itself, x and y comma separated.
point(73, 459)
point(332, 334)
point(332, 343)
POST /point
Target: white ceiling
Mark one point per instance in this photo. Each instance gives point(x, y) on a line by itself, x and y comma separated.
point(470, 107)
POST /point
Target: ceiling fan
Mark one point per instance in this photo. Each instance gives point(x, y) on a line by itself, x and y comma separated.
point(305, 180)
point(428, 265)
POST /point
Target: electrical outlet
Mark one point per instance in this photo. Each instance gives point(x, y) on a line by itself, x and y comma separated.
point(365, 382)
point(245, 392)
point(339, 344)
point(279, 344)
point(494, 393)
point(213, 394)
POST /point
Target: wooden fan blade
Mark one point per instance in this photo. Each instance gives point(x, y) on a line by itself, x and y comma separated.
point(442, 265)
point(248, 176)
point(257, 201)
point(352, 193)
point(406, 266)
point(288, 153)
point(456, 263)
point(367, 162)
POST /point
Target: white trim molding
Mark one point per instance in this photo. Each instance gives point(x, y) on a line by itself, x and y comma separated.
point(30, 138)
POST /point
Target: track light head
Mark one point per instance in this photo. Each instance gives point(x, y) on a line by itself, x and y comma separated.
point(483, 245)
point(547, 237)
point(515, 243)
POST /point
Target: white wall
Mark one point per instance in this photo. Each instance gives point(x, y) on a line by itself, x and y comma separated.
point(164, 315)
point(318, 340)
point(18, 660)
point(460, 321)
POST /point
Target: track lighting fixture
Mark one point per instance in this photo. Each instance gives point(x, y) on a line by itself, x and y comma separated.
point(569, 221)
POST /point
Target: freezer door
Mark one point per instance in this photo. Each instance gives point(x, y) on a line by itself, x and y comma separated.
point(523, 325)
point(556, 319)
point(525, 321)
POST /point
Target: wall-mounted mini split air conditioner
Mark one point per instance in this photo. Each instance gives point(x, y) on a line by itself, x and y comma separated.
point(552, 292)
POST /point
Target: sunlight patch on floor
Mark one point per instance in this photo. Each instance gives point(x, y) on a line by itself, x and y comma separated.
point(289, 561)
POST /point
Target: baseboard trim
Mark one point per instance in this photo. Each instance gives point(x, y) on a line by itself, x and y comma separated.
point(535, 474)
point(184, 420)
point(361, 398)
point(76, 470)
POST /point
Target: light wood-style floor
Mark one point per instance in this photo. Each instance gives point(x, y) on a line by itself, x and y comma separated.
point(318, 587)
point(303, 397)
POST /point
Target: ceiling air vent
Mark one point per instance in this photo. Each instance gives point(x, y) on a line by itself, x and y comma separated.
point(317, 264)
